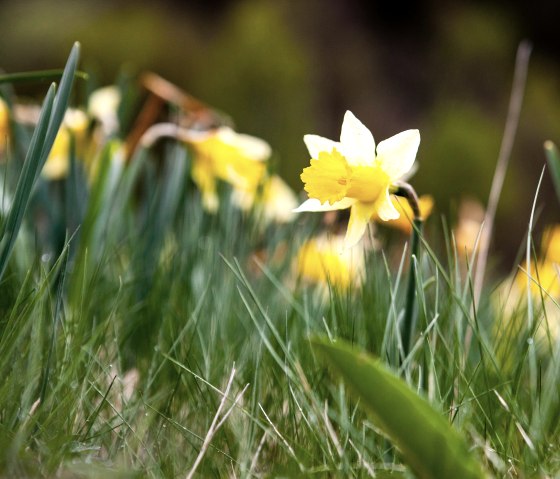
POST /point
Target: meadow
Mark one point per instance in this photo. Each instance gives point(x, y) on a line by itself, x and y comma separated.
point(164, 311)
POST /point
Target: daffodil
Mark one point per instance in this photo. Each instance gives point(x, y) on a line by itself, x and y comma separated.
point(58, 162)
point(320, 261)
point(544, 288)
point(353, 173)
point(232, 157)
point(219, 154)
point(406, 215)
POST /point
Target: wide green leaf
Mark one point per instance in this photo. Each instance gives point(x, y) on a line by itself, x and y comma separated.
point(429, 444)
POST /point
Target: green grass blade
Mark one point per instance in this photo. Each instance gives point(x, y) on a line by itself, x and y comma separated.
point(57, 313)
point(430, 446)
point(553, 160)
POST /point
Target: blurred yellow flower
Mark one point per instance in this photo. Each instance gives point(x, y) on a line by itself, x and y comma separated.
point(353, 174)
point(4, 124)
point(544, 281)
point(404, 221)
point(58, 162)
point(544, 286)
point(322, 261)
point(551, 244)
point(228, 156)
point(546, 275)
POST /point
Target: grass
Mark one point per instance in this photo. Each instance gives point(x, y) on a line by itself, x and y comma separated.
point(132, 321)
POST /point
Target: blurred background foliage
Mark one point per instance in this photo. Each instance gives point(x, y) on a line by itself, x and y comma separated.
point(281, 69)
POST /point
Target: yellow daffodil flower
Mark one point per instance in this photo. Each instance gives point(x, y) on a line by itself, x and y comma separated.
point(404, 221)
point(354, 174)
point(220, 154)
point(228, 156)
point(58, 162)
point(320, 261)
point(4, 124)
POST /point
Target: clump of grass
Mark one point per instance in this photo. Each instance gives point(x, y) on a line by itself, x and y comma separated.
point(142, 336)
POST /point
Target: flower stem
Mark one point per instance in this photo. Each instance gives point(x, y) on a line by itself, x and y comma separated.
point(409, 325)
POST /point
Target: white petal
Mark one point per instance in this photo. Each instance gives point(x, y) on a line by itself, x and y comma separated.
point(315, 205)
point(357, 141)
point(104, 102)
point(76, 119)
point(279, 201)
point(397, 154)
point(360, 215)
point(250, 146)
point(103, 105)
point(316, 144)
point(410, 173)
point(385, 208)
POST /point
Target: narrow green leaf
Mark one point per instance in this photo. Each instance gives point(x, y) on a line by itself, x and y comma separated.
point(553, 159)
point(61, 101)
point(37, 76)
point(31, 168)
point(50, 119)
point(430, 446)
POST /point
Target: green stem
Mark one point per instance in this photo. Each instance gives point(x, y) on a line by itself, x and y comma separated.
point(409, 325)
